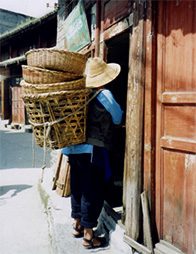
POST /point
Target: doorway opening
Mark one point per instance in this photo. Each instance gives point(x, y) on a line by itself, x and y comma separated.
point(118, 52)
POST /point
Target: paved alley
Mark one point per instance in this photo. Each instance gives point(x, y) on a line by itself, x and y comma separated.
point(23, 222)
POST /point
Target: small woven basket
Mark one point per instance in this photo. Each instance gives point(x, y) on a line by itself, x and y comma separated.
point(55, 87)
point(55, 59)
point(50, 108)
point(36, 75)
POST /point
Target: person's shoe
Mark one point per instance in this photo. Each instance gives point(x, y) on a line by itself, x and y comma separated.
point(95, 242)
point(78, 232)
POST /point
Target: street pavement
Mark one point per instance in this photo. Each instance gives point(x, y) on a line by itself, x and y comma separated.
point(17, 150)
point(59, 215)
point(23, 222)
point(33, 218)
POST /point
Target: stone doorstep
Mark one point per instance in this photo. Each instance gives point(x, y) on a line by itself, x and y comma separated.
point(164, 247)
point(16, 126)
point(3, 123)
point(110, 224)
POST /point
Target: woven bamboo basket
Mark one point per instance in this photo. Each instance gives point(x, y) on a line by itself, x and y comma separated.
point(36, 75)
point(52, 107)
point(55, 59)
point(55, 87)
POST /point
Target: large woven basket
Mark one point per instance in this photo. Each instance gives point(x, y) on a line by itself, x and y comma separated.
point(55, 87)
point(36, 75)
point(55, 59)
point(51, 107)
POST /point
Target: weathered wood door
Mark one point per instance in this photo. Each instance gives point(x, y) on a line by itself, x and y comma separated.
point(18, 112)
point(5, 102)
point(176, 124)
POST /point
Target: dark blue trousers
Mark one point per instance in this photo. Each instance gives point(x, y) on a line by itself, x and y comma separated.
point(87, 189)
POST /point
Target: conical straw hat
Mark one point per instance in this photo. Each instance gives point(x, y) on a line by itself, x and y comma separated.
point(100, 73)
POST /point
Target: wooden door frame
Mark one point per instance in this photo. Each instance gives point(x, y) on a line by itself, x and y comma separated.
point(5, 99)
point(159, 118)
point(132, 185)
point(150, 110)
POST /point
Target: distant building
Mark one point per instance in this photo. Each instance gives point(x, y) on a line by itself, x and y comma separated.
point(36, 33)
point(10, 20)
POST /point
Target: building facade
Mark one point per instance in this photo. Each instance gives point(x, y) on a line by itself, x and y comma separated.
point(155, 149)
point(37, 33)
point(155, 152)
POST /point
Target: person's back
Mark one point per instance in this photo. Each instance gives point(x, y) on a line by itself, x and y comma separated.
point(100, 127)
point(89, 161)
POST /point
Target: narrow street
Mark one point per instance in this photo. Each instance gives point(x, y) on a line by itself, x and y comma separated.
point(23, 221)
point(17, 150)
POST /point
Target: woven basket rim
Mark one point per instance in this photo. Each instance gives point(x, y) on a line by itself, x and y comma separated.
point(33, 68)
point(23, 83)
point(62, 51)
point(54, 94)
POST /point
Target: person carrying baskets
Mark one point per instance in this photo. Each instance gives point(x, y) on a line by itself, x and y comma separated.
point(89, 161)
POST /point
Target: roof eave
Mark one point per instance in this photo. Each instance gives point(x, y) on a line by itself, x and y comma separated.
point(16, 60)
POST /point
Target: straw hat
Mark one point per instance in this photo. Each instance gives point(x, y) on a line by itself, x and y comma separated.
point(100, 73)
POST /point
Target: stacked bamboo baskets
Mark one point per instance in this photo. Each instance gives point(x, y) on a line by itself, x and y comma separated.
point(55, 96)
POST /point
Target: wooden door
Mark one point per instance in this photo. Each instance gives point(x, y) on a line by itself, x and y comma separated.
point(18, 113)
point(5, 101)
point(176, 124)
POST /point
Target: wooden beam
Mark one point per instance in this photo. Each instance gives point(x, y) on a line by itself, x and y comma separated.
point(57, 172)
point(102, 47)
point(137, 246)
point(179, 97)
point(118, 28)
point(164, 247)
point(146, 221)
point(97, 33)
point(134, 126)
point(150, 109)
point(181, 144)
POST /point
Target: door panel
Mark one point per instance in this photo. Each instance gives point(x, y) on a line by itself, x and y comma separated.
point(176, 124)
point(180, 22)
point(179, 121)
point(5, 101)
point(179, 191)
point(18, 113)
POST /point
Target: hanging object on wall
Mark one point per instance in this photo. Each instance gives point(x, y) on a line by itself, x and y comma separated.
point(76, 29)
